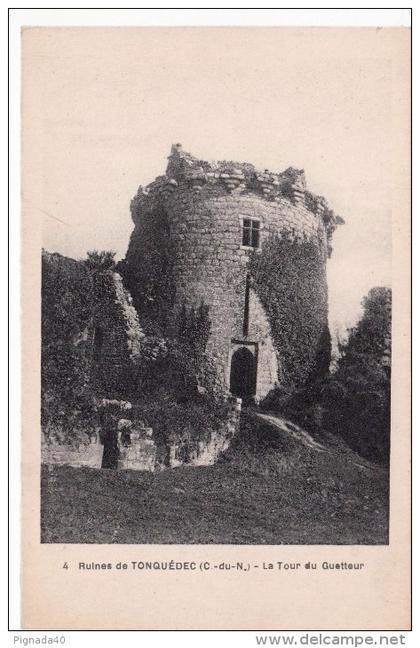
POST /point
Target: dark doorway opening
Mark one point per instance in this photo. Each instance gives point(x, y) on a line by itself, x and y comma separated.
point(111, 451)
point(243, 374)
point(109, 439)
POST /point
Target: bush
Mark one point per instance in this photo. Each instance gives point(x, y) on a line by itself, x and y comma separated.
point(97, 261)
point(183, 424)
point(354, 400)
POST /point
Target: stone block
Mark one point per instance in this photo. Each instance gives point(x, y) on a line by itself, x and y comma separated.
point(137, 450)
point(89, 455)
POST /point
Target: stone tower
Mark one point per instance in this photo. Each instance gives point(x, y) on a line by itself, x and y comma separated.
point(252, 246)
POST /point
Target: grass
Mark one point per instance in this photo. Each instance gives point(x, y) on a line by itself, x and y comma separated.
point(266, 489)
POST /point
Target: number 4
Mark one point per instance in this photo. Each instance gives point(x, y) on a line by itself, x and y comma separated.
point(65, 566)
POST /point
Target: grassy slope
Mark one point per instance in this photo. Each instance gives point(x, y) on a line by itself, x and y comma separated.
point(267, 489)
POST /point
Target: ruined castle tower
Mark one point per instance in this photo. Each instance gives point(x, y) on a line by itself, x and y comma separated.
point(252, 247)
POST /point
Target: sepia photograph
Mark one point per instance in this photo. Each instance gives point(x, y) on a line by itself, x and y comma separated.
point(215, 231)
point(202, 380)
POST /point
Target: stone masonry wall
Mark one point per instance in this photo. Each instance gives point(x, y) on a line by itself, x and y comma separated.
point(88, 454)
point(198, 209)
point(205, 452)
point(269, 367)
point(91, 340)
point(137, 449)
point(115, 334)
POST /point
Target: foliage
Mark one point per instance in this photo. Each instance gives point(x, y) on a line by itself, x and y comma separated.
point(178, 362)
point(354, 400)
point(194, 327)
point(372, 335)
point(165, 369)
point(177, 389)
point(72, 295)
point(101, 261)
point(290, 281)
point(67, 297)
point(359, 392)
point(182, 423)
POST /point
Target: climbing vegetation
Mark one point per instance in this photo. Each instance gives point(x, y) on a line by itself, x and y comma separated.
point(290, 281)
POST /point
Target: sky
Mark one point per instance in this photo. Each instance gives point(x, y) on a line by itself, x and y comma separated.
point(107, 104)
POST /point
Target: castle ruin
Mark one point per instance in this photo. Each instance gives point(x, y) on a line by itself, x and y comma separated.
point(219, 250)
point(252, 246)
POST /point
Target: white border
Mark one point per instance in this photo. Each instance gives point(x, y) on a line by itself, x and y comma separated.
point(18, 17)
point(322, 17)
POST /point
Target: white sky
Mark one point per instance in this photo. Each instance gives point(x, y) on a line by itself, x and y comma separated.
point(108, 103)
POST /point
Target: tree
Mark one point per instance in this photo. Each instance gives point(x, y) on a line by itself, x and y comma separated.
point(372, 335)
point(353, 400)
point(356, 397)
point(100, 260)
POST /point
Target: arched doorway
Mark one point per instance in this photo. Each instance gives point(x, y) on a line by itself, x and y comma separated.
point(243, 373)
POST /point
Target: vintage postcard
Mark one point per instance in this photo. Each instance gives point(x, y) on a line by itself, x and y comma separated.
point(215, 325)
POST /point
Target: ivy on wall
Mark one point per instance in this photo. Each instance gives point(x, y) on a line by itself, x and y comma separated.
point(92, 344)
point(148, 271)
point(290, 280)
point(194, 327)
point(67, 310)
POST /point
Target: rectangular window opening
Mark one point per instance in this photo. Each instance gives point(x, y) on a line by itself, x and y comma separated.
point(251, 232)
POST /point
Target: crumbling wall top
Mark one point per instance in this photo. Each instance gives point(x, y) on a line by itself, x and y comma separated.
point(186, 169)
